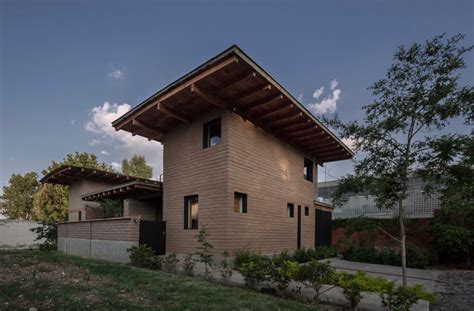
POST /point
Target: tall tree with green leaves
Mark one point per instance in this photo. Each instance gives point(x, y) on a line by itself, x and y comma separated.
point(17, 199)
point(137, 166)
point(81, 159)
point(420, 94)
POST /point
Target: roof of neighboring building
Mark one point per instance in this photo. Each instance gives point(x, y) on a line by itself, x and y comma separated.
point(128, 190)
point(232, 80)
point(68, 174)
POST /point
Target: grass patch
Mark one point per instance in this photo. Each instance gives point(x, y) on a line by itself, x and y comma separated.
point(51, 280)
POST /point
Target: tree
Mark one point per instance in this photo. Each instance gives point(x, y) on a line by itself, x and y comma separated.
point(137, 166)
point(17, 199)
point(50, 203)
point(420, 94)
point(83, 159)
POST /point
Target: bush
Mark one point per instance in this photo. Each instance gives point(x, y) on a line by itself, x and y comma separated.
point(245, 256)
point(144, 257)
point(188, 265)
point(49, 232)
point(255, 271)
point(170, 263)
point(399, 298)
point(204, 251)
point(314, 275)
point(281, 273)
point(226, 271)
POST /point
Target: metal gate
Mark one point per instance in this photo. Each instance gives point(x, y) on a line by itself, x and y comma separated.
point(323, 228)
point(153, 234)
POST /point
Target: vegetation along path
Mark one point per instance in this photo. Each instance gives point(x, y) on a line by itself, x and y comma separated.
point(50, 280)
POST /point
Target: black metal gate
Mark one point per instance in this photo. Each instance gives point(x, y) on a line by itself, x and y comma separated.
point(153, 234)
point(323, 229)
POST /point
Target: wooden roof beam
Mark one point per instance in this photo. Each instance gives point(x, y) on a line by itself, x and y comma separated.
point(172, 112)
point(289, 124)
point(285, 116)
point(303, 132)
point(262, 102)
point(230, 84)
point(254, 91)
point(273, 111)
point(208, 97)
point(151, 128)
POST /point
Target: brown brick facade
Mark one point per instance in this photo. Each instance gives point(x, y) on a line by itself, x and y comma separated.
point(248, 160)
point(123, 229)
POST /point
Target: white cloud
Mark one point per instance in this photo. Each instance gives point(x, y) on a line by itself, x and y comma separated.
point(104, 152)
point(116, 166)
point(329, 103)
point(100, 124)
point(116, 74)
point(349, 142)
point(94, 142)
point(73, 122)
point(318, 92)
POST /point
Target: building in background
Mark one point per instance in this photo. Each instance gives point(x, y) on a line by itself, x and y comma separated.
point(418, 203)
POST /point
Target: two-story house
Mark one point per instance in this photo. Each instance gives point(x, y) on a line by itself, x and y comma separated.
point(240, 158)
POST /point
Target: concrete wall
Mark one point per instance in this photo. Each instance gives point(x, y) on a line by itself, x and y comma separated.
point(106, 239)
point(137, 208)
point(16, 234)
point(248, 160)
point(76, 204)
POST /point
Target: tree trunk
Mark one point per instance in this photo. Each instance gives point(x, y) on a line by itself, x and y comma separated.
point(403, 250)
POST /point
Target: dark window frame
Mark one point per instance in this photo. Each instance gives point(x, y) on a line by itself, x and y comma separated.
point(309, 167)
point(80, 215)
point(290, 210)
point(206, 139)
point(188, 213)
point(306, 211)
point(244, 202)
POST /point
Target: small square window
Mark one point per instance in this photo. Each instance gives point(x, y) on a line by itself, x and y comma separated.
point(306, 211)
point(191, 212)
point(308, 169)
point(240, 202)
point(291, 210)
point(212, 133)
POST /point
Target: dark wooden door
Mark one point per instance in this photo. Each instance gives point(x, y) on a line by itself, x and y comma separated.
point(298, 237)
point(323, 230)
point(153, 234)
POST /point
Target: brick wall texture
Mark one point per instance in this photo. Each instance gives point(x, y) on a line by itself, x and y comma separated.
point(248, 160)
point(107, 229)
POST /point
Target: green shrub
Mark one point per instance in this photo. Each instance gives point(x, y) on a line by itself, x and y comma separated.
point(314, 275)
point(255, 271)
point(351, 288)
point(188, 265)
point(245, 256)
point(281, 273)
point(399, 298)
point(225, 270)
point(204, 251)
point(170, 263)
point(49, 232)
point(144, 257)
point(324, 252)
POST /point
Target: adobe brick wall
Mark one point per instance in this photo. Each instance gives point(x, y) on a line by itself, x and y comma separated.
point(248, 160)
point(76, 204)
point(106, 229)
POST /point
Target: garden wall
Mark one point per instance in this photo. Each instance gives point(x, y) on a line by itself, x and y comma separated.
point(17, 234)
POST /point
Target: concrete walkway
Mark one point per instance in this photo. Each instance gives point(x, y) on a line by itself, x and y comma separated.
point(427, 278)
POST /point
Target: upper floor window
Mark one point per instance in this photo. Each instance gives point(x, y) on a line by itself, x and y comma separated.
point(212, 133)
point(240, 202)
point(308, 169)
point(191, 211)
point(290, 210)
point(306, 211)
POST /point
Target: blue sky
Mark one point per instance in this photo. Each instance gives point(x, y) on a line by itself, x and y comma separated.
point(60, 59)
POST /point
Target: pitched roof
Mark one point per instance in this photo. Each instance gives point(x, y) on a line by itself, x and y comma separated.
point(232, 80)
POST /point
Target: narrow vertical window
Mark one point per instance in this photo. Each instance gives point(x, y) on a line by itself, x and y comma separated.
point(308, 169)
point(80, 215)
point(306, 211)
point(240, 202)
point(290, 210)
point(191, 212)
point(211, 133)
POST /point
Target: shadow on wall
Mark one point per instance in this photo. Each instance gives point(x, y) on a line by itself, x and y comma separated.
point(16, 234)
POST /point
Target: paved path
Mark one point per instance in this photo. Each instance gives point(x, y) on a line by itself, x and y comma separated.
point(426, 278)
point(454, 291)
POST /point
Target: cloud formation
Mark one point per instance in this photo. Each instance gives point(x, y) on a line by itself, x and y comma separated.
point(116, 74)
point(126, 145)
point(104, 152)
point(329, 103)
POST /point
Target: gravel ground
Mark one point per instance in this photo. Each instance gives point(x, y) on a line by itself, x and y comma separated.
point(454, 291)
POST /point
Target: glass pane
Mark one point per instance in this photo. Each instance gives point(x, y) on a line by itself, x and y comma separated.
point(194, 212)
point(237, 203)
point(214, 134)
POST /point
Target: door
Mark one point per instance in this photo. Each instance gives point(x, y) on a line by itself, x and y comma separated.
point(298, 237)
point(323, 230)
point(153, 234)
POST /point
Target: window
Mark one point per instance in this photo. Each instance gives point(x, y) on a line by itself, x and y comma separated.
point(191, 211)
point(306, 211)
point(80, 215)
point(240, 202)
point(291, 210)
point(308, 169)
point(212, 133)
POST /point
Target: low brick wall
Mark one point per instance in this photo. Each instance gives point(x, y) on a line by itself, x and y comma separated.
point(106, 239)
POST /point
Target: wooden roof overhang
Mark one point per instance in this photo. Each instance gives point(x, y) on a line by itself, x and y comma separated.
point(66, 175)
point(128, 190)
point(231, 80)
